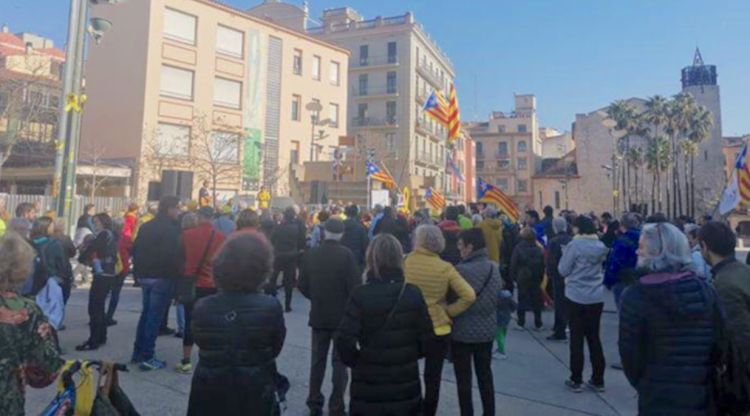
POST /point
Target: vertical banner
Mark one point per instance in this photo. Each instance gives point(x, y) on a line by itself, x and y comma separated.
point(251, 115)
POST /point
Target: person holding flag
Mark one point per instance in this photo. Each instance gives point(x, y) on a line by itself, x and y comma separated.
point(380, 175)
point(493, 195)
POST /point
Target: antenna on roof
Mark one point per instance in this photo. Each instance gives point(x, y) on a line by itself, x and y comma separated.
point(698, 58)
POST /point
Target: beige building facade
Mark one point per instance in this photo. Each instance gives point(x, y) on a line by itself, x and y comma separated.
point(509, 149)
point(213, 93)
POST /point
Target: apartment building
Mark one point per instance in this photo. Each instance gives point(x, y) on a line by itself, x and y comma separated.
point(509, 149)
point(205, 91)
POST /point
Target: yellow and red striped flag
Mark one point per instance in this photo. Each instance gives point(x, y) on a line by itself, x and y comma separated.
point(435, 198)
point(492, 194)
point(454, 116)
point(437, 108)
point(374, 172)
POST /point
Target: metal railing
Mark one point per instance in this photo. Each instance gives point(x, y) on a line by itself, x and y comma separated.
point(374, 61)
point(374, 91)
point(387, 121)
point(48, 202)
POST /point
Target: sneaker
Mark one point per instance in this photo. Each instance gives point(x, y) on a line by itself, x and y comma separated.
point(539, 328)
point(288, 309)
point(573, 386)
point(617, 366)
point(179, 334)
point(111, 322)
point(152, 364)
point(184, 368)
point(519, 327)
point(166, 331)
point(599, 388)
point(501, 355)
point(555, 338)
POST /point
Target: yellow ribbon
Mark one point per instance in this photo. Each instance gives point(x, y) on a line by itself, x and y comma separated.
point(75, 102)
point(407, 199)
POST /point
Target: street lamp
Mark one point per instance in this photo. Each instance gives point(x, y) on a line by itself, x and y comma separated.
point(69, 128)
point(314, 107)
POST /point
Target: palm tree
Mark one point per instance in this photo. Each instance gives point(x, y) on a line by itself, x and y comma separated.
point(700, 130)
point(634, 160)
point(657, 160)
point(656, 116)
point(627, 119)
point(685, 107)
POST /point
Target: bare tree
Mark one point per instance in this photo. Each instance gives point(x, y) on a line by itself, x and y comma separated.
point(94, 156)
point(215, 153)
point(28, 110)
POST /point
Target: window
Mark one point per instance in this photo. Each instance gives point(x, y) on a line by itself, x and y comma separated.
point(557, 199)
point(521, 163)
point(390, 141)
point(503, 164)
point(502, 148)
point(364, 52)
point(522, 146)
point(502, 183)
point(297, 62)
point(179, 26)
point(316, 68)
point(480, 149)
point(225, 147)
point(333, 114)
point(227, 92)
point(363, 84)
point(334, 74)
point(362, 111)
point(501, 128)
point(173, 139)
point(229, 41)
point(176, 82)
point(294, 153)
point(523, 186)
point(390, 112)
point(296, 106)
point(392, 52)
point(480, 164)
point(391, 84)
point(522, 128)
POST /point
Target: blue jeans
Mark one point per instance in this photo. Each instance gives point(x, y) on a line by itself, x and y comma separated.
point(617, 291)
point(157, 293)
point(179, 310)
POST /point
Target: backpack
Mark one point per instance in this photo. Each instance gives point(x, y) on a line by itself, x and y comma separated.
point(730, 376)
point(45, 290)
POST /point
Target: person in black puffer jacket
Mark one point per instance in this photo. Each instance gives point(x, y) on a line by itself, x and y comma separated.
point(355, 235)
point(450, 228)
point(381, 336)
point(527, 271)
point(288, 240)
point(240, 332)
point(667, 331)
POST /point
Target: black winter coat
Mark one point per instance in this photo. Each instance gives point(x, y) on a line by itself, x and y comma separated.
point(288, 239)
point(239, 336)
point(666, 339)
point(527, 264)
point(554, 254)
point(355, 239)
point(155, 251)
point(327, 276)
point(384, 355)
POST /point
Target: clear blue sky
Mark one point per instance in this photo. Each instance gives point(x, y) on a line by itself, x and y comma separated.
point(575, 55)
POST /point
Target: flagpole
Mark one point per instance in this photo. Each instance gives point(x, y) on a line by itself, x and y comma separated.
point(726, 185)
point(369, 193)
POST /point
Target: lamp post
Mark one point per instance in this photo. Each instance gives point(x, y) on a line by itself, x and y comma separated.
point(314, 108)
point(69, 128)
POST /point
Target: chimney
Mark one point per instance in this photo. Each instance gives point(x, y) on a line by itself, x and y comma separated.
point(29, 48)
point(5, 28)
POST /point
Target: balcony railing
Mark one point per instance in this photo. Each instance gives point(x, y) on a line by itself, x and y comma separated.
point(431, 75)
point(375, 91)
point(388, 121)
point(501, 155)
point(364, 62)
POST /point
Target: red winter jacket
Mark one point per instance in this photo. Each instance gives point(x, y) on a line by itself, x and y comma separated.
point(193, 245)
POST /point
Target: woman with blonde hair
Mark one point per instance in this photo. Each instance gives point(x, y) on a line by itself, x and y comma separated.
point(434, 277)
point(382, 334)
point(30, 353)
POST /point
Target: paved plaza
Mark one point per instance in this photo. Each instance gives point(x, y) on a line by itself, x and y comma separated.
point(529, 382)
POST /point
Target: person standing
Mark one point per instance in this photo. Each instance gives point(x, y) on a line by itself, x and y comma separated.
point(239, 332)
point(668, 328)
point(156, 266)
point(620, 267)
point(581, 266)
point(492, 230)
point(702, 268)
point(382, 336)
point(204, 197)
point(101, 254)
point(288, 244)
point(355, 235)
point(264, 198)
point(474, 330)
point(450, 228)
point(527, 271)
point(464, 220)
point(731, 279)
point(198, 246)
point(555, 251)
point(433, 276)
point(328, 275)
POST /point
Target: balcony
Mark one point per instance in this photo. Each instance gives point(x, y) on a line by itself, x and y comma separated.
point(373, 62)
point(375, 122)
point(429, 159)
point(376, 92)
point(502, 155)
point(432, 76)
point(424, 128)
point(421, 97)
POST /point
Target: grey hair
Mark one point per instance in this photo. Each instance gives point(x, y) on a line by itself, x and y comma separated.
point(333, 236)
point(189, 220)
point(666, 249)
point(429, 237)
point(476, 219)
point(384, 252)
point(630, 221)
point(559, 225)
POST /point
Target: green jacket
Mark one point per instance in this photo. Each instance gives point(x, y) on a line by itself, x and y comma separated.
point(732, 281)
point(465, 222)
point(26, 356)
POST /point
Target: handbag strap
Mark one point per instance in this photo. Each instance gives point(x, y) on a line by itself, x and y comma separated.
point(486, 281)
point(392, 311)
point(205, 253)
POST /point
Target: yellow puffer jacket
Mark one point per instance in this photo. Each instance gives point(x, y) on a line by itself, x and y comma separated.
point(433, 276)
point(492, 230)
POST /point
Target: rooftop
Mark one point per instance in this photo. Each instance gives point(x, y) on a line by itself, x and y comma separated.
point(11, 44)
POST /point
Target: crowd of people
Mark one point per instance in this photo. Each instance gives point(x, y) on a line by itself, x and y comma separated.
point(386, 289)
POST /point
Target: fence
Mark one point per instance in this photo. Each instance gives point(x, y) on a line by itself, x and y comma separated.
point(46, 203)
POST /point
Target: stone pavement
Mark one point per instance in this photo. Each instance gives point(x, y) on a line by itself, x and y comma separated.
point(529, 382)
